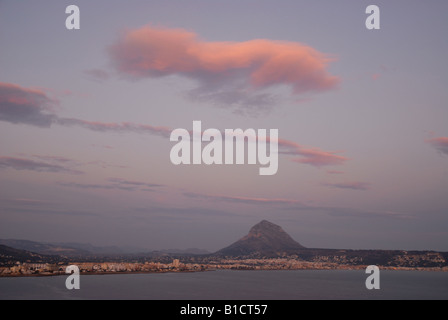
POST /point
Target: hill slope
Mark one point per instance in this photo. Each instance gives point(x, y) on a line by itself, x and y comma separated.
point(9, 256)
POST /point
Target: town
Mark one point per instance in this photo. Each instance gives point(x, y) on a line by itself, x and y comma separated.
point(266, 247)
point(197, 264)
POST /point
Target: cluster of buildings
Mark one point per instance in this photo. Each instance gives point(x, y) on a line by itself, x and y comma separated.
point(277, 264)
point(23, 269)
point(107, 267)
point(31, 269)
point(408, 261)
point(414, 260)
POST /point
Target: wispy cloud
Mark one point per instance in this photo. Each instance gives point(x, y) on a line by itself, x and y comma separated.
point(358, 213)
point(97, 74)
point(228, 73)
point(134, 184)
point(335, 172)
point(186, 213)
point(244, 200)
point(123, 127)
point(46, 211)
point(115, 184)
point(356, 185)
point(25, 106)
point(69, 163)
point(290, 205)
point(33, 165)
point(441, 144)
point(311, 155)
point(20, 105)
point(102, 146)
point(28, 202)
point(305, 155)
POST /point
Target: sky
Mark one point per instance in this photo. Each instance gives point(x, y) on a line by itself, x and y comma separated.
point(86, 117)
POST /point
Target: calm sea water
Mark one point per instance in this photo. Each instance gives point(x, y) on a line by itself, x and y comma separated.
point(233, 285)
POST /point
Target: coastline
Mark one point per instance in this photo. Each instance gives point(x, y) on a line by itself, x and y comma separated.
point(94, 273)
point(45, 274)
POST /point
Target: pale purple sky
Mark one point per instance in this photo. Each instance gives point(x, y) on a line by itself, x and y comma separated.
point(85, 118)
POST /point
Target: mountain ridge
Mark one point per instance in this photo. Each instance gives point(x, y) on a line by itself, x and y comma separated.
point(74, 249)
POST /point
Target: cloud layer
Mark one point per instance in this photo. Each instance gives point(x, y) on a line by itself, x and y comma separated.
point(289, 205)
point(27, 106)
point(228, 73)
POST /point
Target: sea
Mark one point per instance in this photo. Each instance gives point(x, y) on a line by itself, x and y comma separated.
point(233, 285)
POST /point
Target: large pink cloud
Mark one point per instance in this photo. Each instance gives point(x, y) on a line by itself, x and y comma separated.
point(227, 71)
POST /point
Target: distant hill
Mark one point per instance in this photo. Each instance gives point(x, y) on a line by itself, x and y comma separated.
point(73, 249)
point(42, 248)
point(10, 255)
point(87, 248)
point(266, 239)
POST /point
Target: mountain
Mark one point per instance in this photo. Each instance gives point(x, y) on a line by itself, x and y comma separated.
point(74, 249)
point(42, 248)
point(264, 239)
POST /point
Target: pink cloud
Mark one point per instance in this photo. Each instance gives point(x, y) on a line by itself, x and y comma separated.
point(20, 105)
point(228, 72)
point(30, 106)
point(440, 144)
point(312, 156)
point(320, 158)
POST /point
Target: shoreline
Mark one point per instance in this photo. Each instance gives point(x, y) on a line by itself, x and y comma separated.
point(94, 273)
point(211, 270)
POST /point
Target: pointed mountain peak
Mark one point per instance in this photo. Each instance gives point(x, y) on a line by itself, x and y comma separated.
point(265, 238)
point(265, 226)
